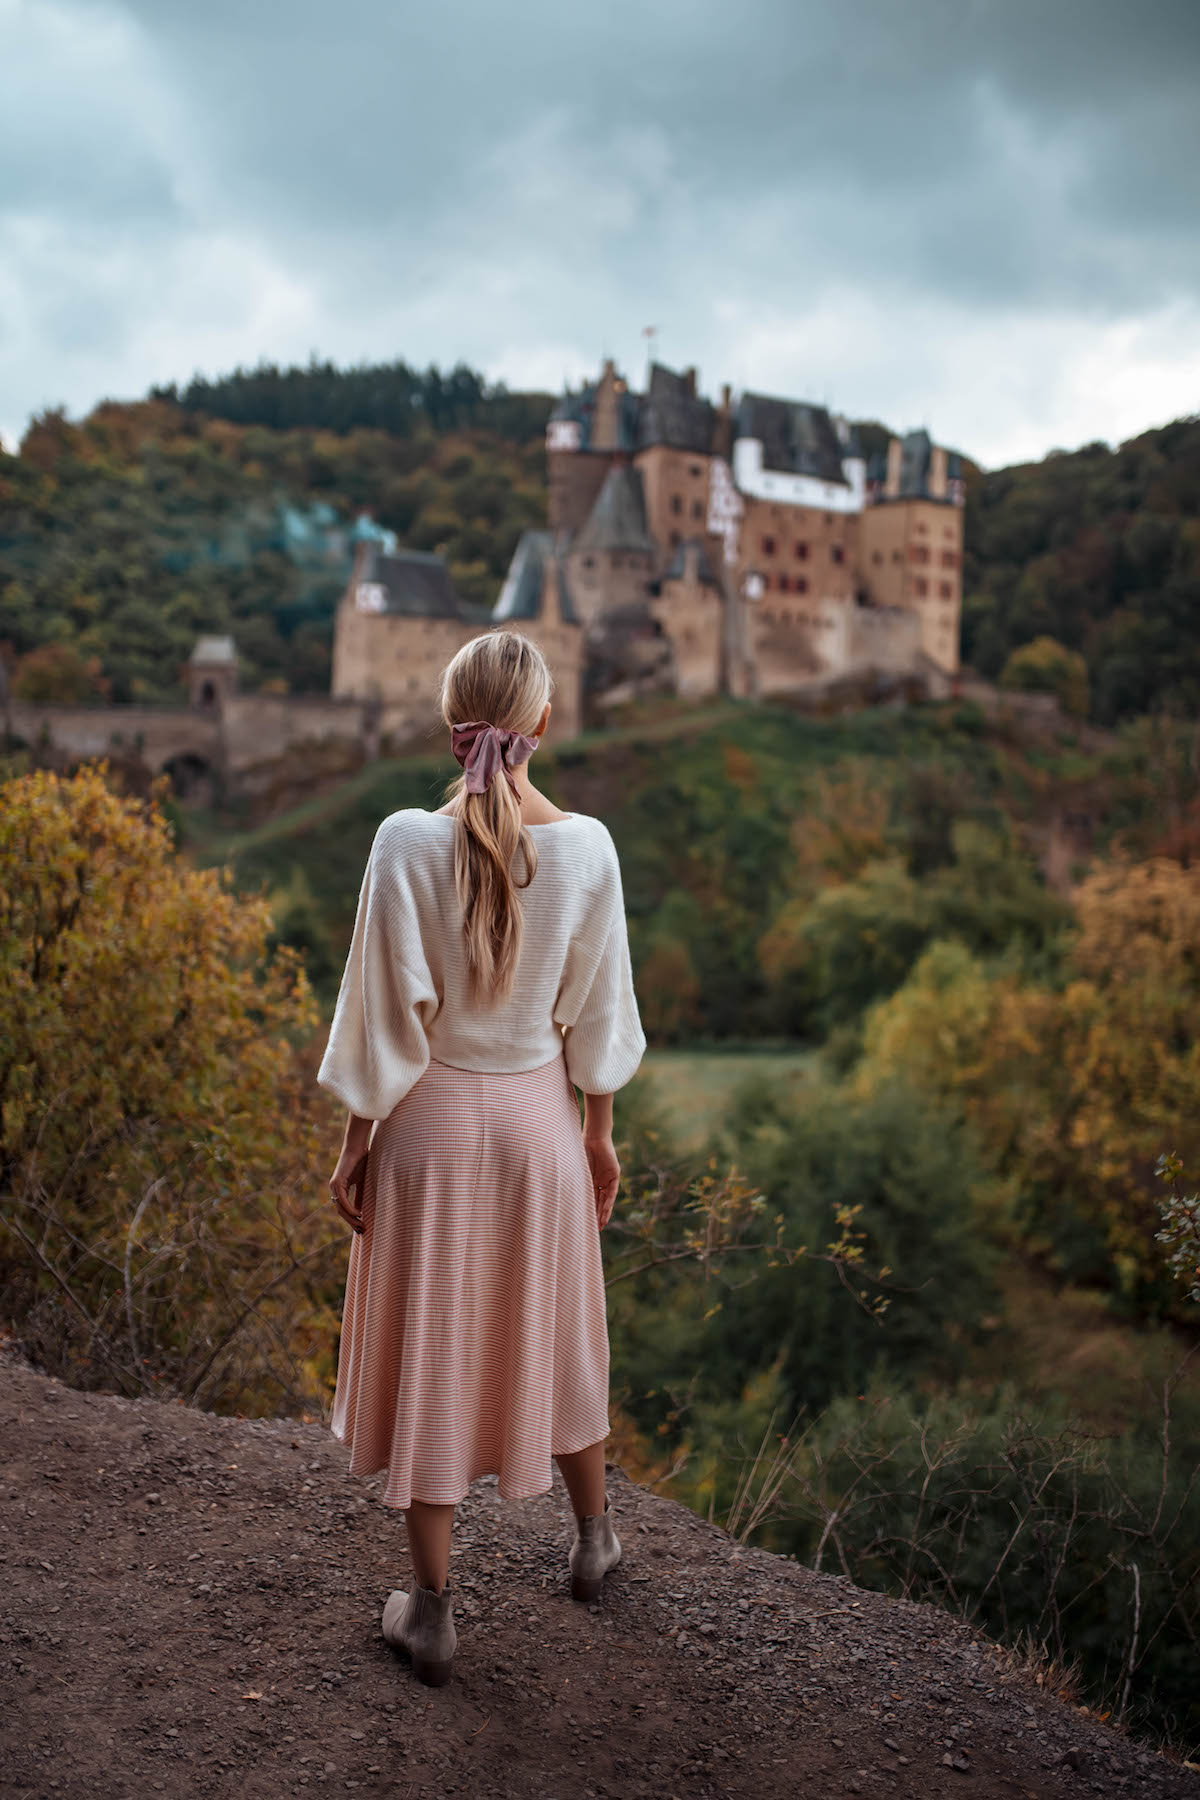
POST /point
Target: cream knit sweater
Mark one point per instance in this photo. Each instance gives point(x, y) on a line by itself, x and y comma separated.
point(403, 997)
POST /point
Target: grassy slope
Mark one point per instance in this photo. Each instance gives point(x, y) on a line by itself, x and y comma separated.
point(701, 803)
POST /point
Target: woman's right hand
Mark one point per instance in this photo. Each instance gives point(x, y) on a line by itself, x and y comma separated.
point(606, 1175)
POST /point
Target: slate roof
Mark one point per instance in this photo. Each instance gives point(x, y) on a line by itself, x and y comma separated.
point(797, 437)
point(674, 569)
point(214, 650)
point(672, 413)
point(521, 595)
point(916, 452)
point(415, 584)
point(916, 459)
point(846, 433)
point(581, 408)
point(618, 519)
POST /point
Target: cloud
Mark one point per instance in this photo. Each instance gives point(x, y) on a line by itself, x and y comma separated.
point(980, 215)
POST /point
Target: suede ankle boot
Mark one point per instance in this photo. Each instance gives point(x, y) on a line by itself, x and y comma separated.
point(422, 1624)
point(596, 1549)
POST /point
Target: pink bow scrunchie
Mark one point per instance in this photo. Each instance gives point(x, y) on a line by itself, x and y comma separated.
point(482, 749)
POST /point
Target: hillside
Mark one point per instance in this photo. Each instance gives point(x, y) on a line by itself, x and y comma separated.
point(225, 505)
point(1098, 549)
point(704, 804)
point(124, 537)
point(191, 1608)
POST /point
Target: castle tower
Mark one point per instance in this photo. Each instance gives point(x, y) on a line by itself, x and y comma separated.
point(212, 673)
point(911, 542)
point(612, 560)
point(587, 433)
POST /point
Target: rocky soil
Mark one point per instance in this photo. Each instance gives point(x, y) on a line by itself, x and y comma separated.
point(190, 1606)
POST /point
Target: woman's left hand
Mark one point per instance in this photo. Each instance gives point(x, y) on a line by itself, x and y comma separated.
point(349, 1178)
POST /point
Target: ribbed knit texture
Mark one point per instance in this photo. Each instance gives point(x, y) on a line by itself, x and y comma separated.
point(404, 996)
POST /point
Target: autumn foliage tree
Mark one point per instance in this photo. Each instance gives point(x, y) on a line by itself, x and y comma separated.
point(1075, 1087)
point(162, 1222)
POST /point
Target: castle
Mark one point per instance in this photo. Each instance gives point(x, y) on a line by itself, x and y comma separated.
point(745, 547)
point(692, 548)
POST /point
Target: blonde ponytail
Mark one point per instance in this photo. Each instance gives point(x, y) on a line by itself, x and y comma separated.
point(501, 678)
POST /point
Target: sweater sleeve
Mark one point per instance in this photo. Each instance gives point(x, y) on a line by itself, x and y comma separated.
point(377, 1048)
point(597, 1006)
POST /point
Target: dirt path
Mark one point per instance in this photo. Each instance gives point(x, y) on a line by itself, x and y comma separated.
point(191, 1607)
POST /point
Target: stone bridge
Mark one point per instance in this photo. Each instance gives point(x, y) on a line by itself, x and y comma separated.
point(242, 733)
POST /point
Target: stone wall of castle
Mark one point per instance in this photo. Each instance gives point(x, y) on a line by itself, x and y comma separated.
point(158, 735)
point(397, 661)
point(604, 581)
point(692, 613)
point(675, 483)
point(392, 657)
point(910, 555)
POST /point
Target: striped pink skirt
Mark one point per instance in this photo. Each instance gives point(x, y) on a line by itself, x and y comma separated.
point(474, 1334)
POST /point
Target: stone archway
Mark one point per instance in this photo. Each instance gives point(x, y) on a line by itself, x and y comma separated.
point(193, 778)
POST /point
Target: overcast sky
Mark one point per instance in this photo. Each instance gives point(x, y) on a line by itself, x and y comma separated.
point(980, 217)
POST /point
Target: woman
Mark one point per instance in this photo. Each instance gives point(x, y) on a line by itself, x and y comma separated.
point(488, 978)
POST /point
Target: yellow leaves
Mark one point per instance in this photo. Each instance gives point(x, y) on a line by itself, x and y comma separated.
point(154, 1046)
point(1073, 1091)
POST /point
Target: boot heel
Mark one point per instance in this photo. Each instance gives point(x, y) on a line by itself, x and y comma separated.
point(582, 1589)
point(433, 1674)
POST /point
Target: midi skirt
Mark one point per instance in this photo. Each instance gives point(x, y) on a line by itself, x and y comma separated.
point(475, 1332)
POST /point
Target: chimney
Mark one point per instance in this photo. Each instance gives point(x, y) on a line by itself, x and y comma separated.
point(689, 381)
point(938, 485)
point(895, 458)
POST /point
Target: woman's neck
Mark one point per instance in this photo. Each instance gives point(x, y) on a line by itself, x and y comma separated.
point(535, 808)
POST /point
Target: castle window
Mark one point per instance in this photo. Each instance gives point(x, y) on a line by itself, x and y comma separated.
point(949, 560)
point(920, 586)
point(918, 553)
point(921, 526)
point(695, 469)
point(676, 504)
point(783, 584)
point(589, 562)
point(768, 546)
point(829, 518)
point(837, 553)
point(945, 589)
point(801, 552)
point(877, 556)
point(697, 509)
point(674, 540)
point(802, 584)
point(786, 615)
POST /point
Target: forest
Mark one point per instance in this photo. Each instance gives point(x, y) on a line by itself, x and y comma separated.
point(125, 535)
